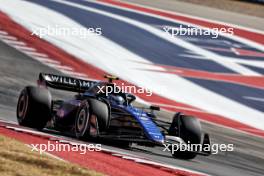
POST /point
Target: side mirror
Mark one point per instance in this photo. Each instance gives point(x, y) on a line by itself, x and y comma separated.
point(154, 108)
point(130, 98)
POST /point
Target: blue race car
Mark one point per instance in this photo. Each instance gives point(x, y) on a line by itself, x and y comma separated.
point(94, 113)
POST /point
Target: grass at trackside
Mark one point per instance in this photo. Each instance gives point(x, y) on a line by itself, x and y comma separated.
point(17, 159)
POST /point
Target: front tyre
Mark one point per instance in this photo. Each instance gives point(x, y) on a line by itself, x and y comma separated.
point(34, 107)
point(189, 129)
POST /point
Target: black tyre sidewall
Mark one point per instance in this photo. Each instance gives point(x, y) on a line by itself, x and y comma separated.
point(190, 132)
point(38, 111)
point(84, 132)
point(190, 129)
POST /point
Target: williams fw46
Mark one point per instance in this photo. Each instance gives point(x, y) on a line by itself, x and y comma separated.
point(93, 114)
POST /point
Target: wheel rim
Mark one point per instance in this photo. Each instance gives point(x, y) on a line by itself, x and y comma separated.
point(22, 107)
point(82, 120)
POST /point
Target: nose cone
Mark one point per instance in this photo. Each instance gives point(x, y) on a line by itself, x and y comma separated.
point(151, 129)
point(157, 137)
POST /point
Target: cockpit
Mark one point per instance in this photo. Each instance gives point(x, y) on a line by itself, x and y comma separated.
point(111, 92)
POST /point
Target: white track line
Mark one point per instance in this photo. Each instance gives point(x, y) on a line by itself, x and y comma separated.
point(36, 54)
point(77, 74)
point(3, 32)
point(190, 51)
point(14, 43)
point(254, 98)
point(84, 77)
point(47, 60)
point(60, 67)
point(24, 48)
point(193, 56)
point(8, 37)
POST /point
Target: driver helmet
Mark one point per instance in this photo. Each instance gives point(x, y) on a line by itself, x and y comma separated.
point(119, 100)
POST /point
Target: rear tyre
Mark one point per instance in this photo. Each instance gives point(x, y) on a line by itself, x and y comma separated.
point(92, 118)
point(82, 121)
point(189, 129)
point(34, 107)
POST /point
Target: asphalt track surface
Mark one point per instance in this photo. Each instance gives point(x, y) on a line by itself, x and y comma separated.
point(18, 70)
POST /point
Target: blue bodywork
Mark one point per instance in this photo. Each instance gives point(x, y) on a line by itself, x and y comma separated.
point(150, 128)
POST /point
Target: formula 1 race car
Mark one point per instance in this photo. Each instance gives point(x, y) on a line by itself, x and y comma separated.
point(93, 113)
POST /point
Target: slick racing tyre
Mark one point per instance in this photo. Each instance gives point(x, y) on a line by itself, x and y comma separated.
point(189, 129)
point(34, 107)
point(101, 110)
point(92, 118)
point(82, 121)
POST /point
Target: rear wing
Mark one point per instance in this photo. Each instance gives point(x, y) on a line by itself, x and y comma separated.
point(65, 82)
